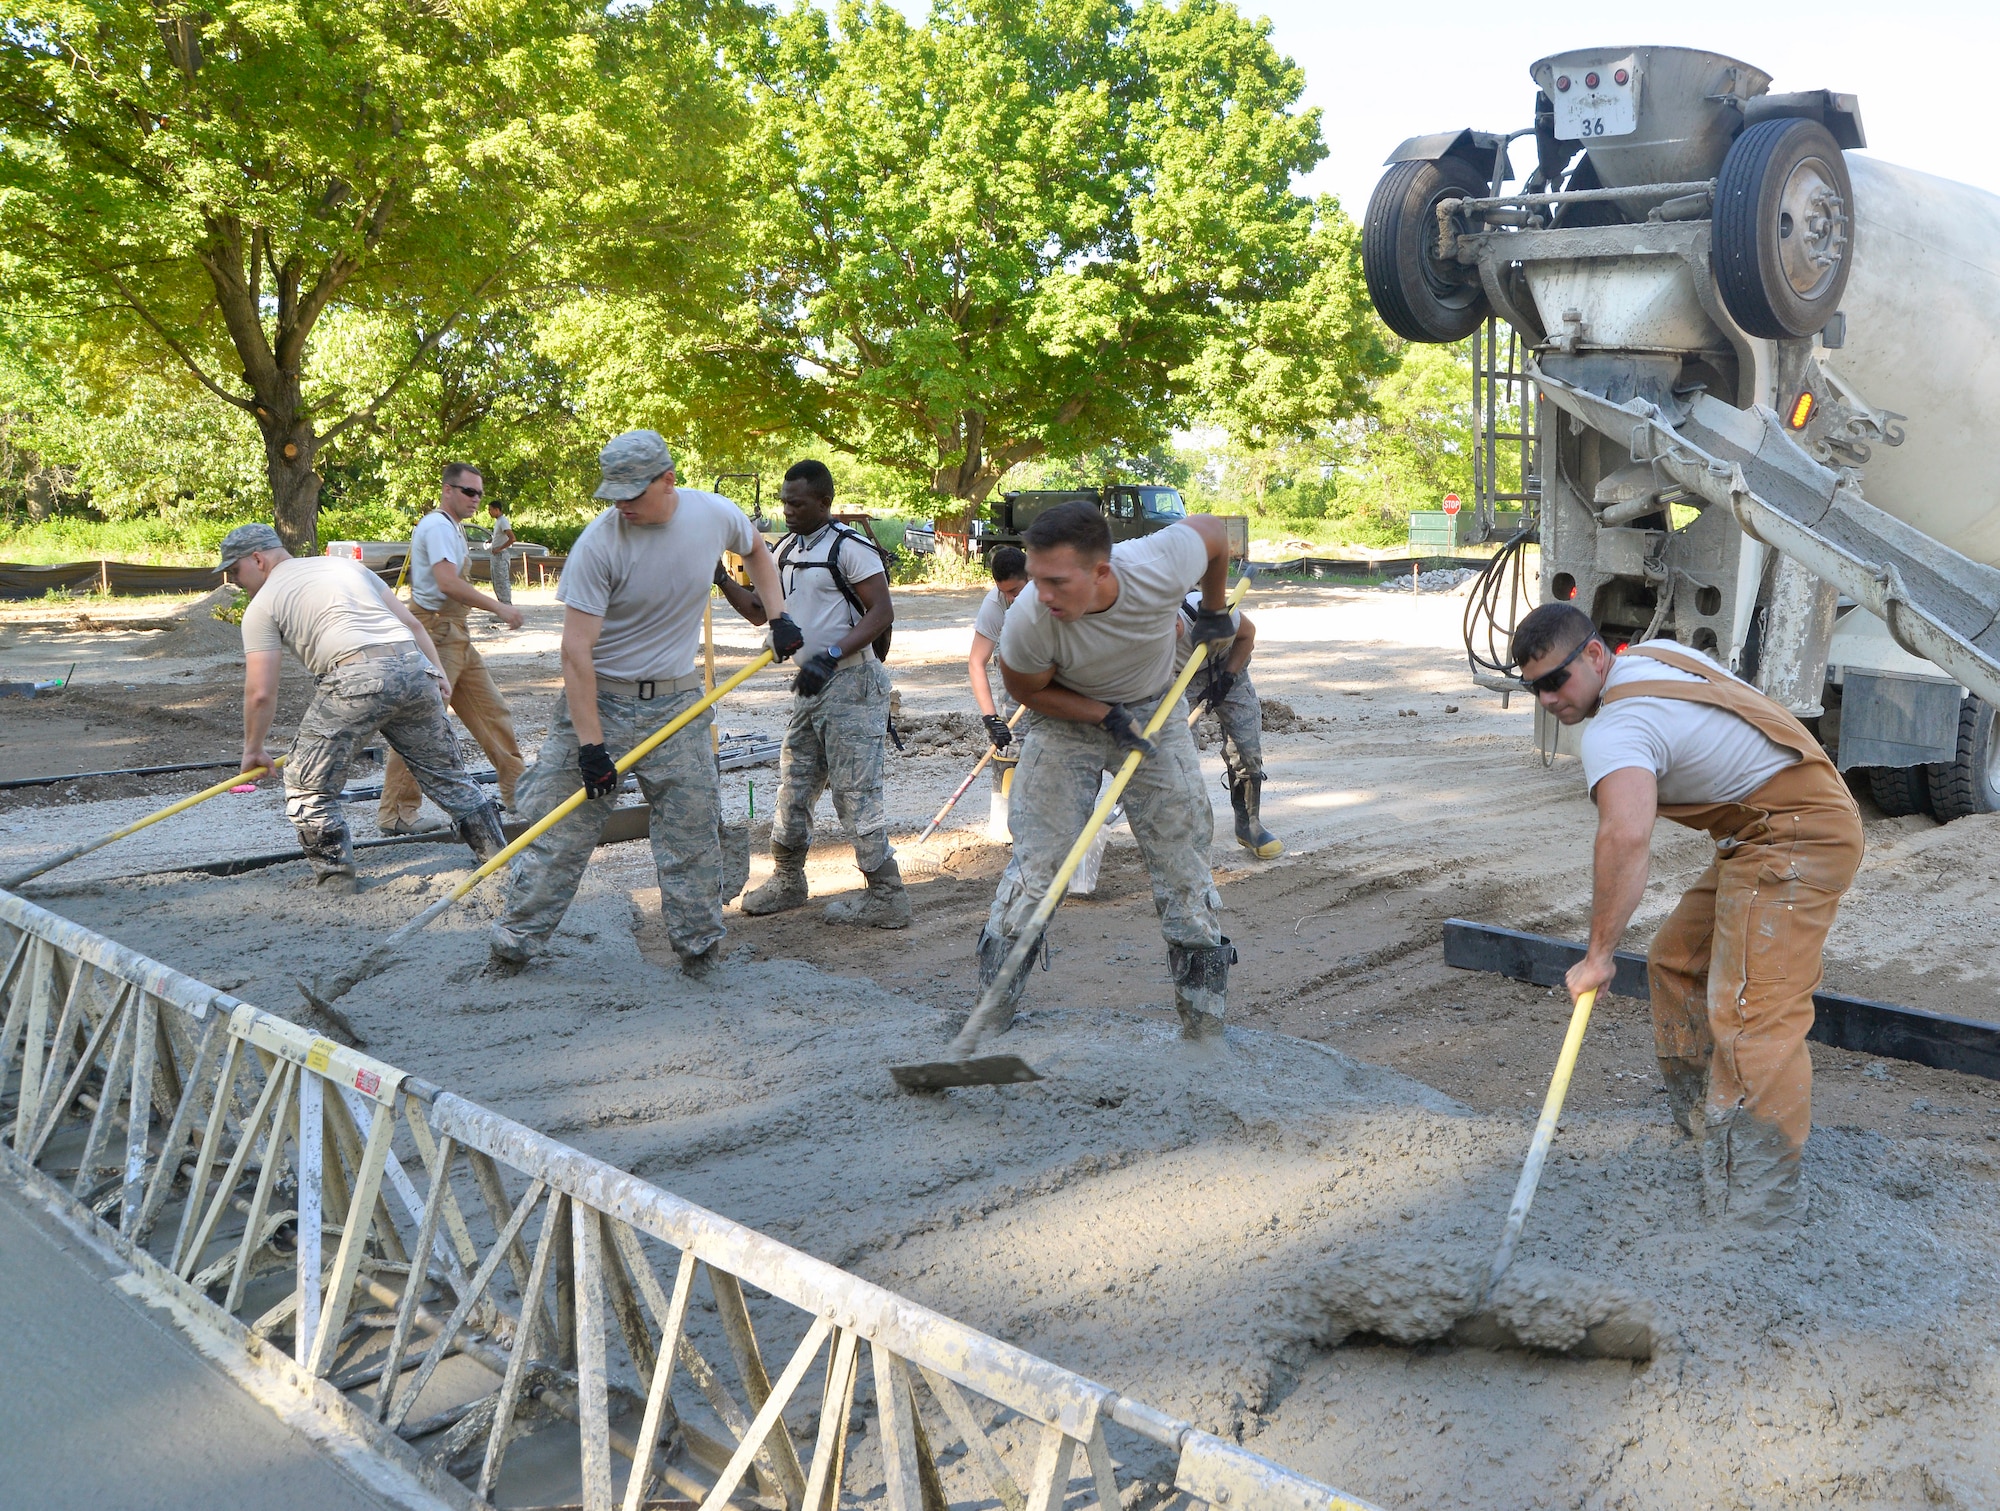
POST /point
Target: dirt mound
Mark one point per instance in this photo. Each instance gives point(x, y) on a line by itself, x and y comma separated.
point(953, 733)
point(194, 630)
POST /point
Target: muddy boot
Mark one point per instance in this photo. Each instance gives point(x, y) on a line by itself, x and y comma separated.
point(1750, 1175)
point(703, 966)
point(481, 833)
point(993, 950)
point(1201, 985)
point(330, 849)
point(1251, 834)
point(1687, 1092)
point(885, 905)
point(787, 887)
point(507, 947)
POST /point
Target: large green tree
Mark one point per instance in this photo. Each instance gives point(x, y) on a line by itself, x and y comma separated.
point(1014, 229)
point(216, 183)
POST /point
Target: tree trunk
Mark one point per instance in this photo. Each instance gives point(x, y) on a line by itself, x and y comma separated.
point(291, 451)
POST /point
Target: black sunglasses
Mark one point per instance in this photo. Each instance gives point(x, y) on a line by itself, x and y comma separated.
point(1553, 679)
point(470, 492)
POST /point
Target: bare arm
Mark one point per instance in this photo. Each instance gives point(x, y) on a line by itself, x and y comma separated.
point(975, 673)
point(1627, 803)
point(579, 639)
point(1240, 648)
point(1041, 692)
point(458, 590)
point(1215, 577)
point(260, 701)
point(764, 579)
point(744, 600)
point(881, 613)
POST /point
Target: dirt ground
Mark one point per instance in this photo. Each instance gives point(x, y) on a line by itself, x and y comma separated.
point(1156, 1215)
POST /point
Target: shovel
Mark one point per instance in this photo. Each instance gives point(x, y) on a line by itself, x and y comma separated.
point(14, 881)
point(963, 1068)
point(377, 959)
point(966, 785)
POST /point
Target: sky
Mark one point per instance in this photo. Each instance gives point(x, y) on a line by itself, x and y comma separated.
point(1378, 78)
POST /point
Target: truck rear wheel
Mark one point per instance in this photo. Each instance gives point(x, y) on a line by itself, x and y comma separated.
point(1900, 791)
point(1784, 229)
point(1969, 783)
point(1419, 295)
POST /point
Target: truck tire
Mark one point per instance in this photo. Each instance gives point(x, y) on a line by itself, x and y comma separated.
point(1420, 296)
point(1900, 791)
point(1969, 783)
point(1784, 229)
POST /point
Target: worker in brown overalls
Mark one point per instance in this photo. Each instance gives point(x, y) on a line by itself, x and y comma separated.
point(1733, 969)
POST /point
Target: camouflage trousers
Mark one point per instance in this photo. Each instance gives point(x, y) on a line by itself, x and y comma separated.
point(834, 743)
point(678, 780)
point(1242, 719)
point(398, 696)
point(1166, 805)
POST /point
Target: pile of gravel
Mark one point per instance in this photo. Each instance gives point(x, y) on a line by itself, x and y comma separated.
point(1441, 580)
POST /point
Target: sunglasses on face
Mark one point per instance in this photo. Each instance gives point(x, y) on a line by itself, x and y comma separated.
point(1553, 679)
point(470, 492)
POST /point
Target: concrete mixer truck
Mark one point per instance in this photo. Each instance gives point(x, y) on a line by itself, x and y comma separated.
point(1768, 379)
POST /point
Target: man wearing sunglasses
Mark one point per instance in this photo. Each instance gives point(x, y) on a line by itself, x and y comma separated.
point(1733, 968)
point(443, 601)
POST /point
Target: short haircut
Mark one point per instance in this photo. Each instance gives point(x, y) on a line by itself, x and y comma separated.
point(1008, 564)
point(814, 475)
point(453, 471)
point(1075, 523)
point(1552, 627)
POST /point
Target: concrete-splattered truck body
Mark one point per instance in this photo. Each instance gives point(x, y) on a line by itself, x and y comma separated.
point(1769, 380)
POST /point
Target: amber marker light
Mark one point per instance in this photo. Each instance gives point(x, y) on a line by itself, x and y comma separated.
point(1802, 408)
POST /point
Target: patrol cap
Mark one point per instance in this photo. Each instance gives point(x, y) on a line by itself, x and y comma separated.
point(630, 462)
point(243, 540)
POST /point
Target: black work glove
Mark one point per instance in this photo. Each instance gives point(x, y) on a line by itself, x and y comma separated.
point(722, 577)
point(1121, 727)
point(1220, 681)
point(786, 638)
point(813, 673)
point(600, 775)
point(997, 731)
point(1214, 629)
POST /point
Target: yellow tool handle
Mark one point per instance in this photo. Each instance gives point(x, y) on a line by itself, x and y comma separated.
point(970, 777)
point(150, 819)
point(1545, 1132)
point(624, 764)
point(1030, 936)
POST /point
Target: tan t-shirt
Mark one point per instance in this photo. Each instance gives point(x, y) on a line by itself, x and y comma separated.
point(817, 606)
point(321, 608)
point(1123, 654)
point(649, 582)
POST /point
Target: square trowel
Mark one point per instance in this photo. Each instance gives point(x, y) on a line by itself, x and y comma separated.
point(982, 1070)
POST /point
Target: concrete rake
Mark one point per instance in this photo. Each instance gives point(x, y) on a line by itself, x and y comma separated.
point(964, 1068)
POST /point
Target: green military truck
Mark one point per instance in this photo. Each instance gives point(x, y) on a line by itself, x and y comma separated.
point(1133, 510)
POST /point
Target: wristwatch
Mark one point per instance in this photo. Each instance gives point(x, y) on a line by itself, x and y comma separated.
point(833, 651)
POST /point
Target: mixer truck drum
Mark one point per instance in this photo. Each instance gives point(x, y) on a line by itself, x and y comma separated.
point(1419, 295)
point(1784, 229)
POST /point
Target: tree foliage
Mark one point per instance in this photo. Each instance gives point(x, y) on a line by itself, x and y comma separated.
point(216, 185)
point(1015, 229)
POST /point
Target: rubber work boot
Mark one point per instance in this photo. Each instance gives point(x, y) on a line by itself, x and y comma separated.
point(1250, 831)
point(481, 833)
point(1687, 1092)
point(507, 947)
point(330, 851)
point(787, 887)
point(701, 967)
point(993, 950)
point(885, 905)
point(1201, 986)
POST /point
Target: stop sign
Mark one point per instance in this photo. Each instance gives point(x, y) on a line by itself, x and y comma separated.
point(1451, 503)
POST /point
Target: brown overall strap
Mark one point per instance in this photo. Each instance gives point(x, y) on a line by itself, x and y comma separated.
point(1719, 690)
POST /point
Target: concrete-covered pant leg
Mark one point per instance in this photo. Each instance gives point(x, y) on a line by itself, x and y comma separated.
point(1733, 971)
point(543, 878)
point(1165, 804)
point(834, 741)
point(681, 787)
point(1242, 719)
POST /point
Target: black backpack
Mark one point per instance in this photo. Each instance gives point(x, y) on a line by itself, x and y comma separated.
point(832, 566)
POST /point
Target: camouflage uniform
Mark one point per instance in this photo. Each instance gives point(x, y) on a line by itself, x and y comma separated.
point(679, 782)
point(1165, 803)
point(834, 741)
point(397, 695)
point(1242, 720)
